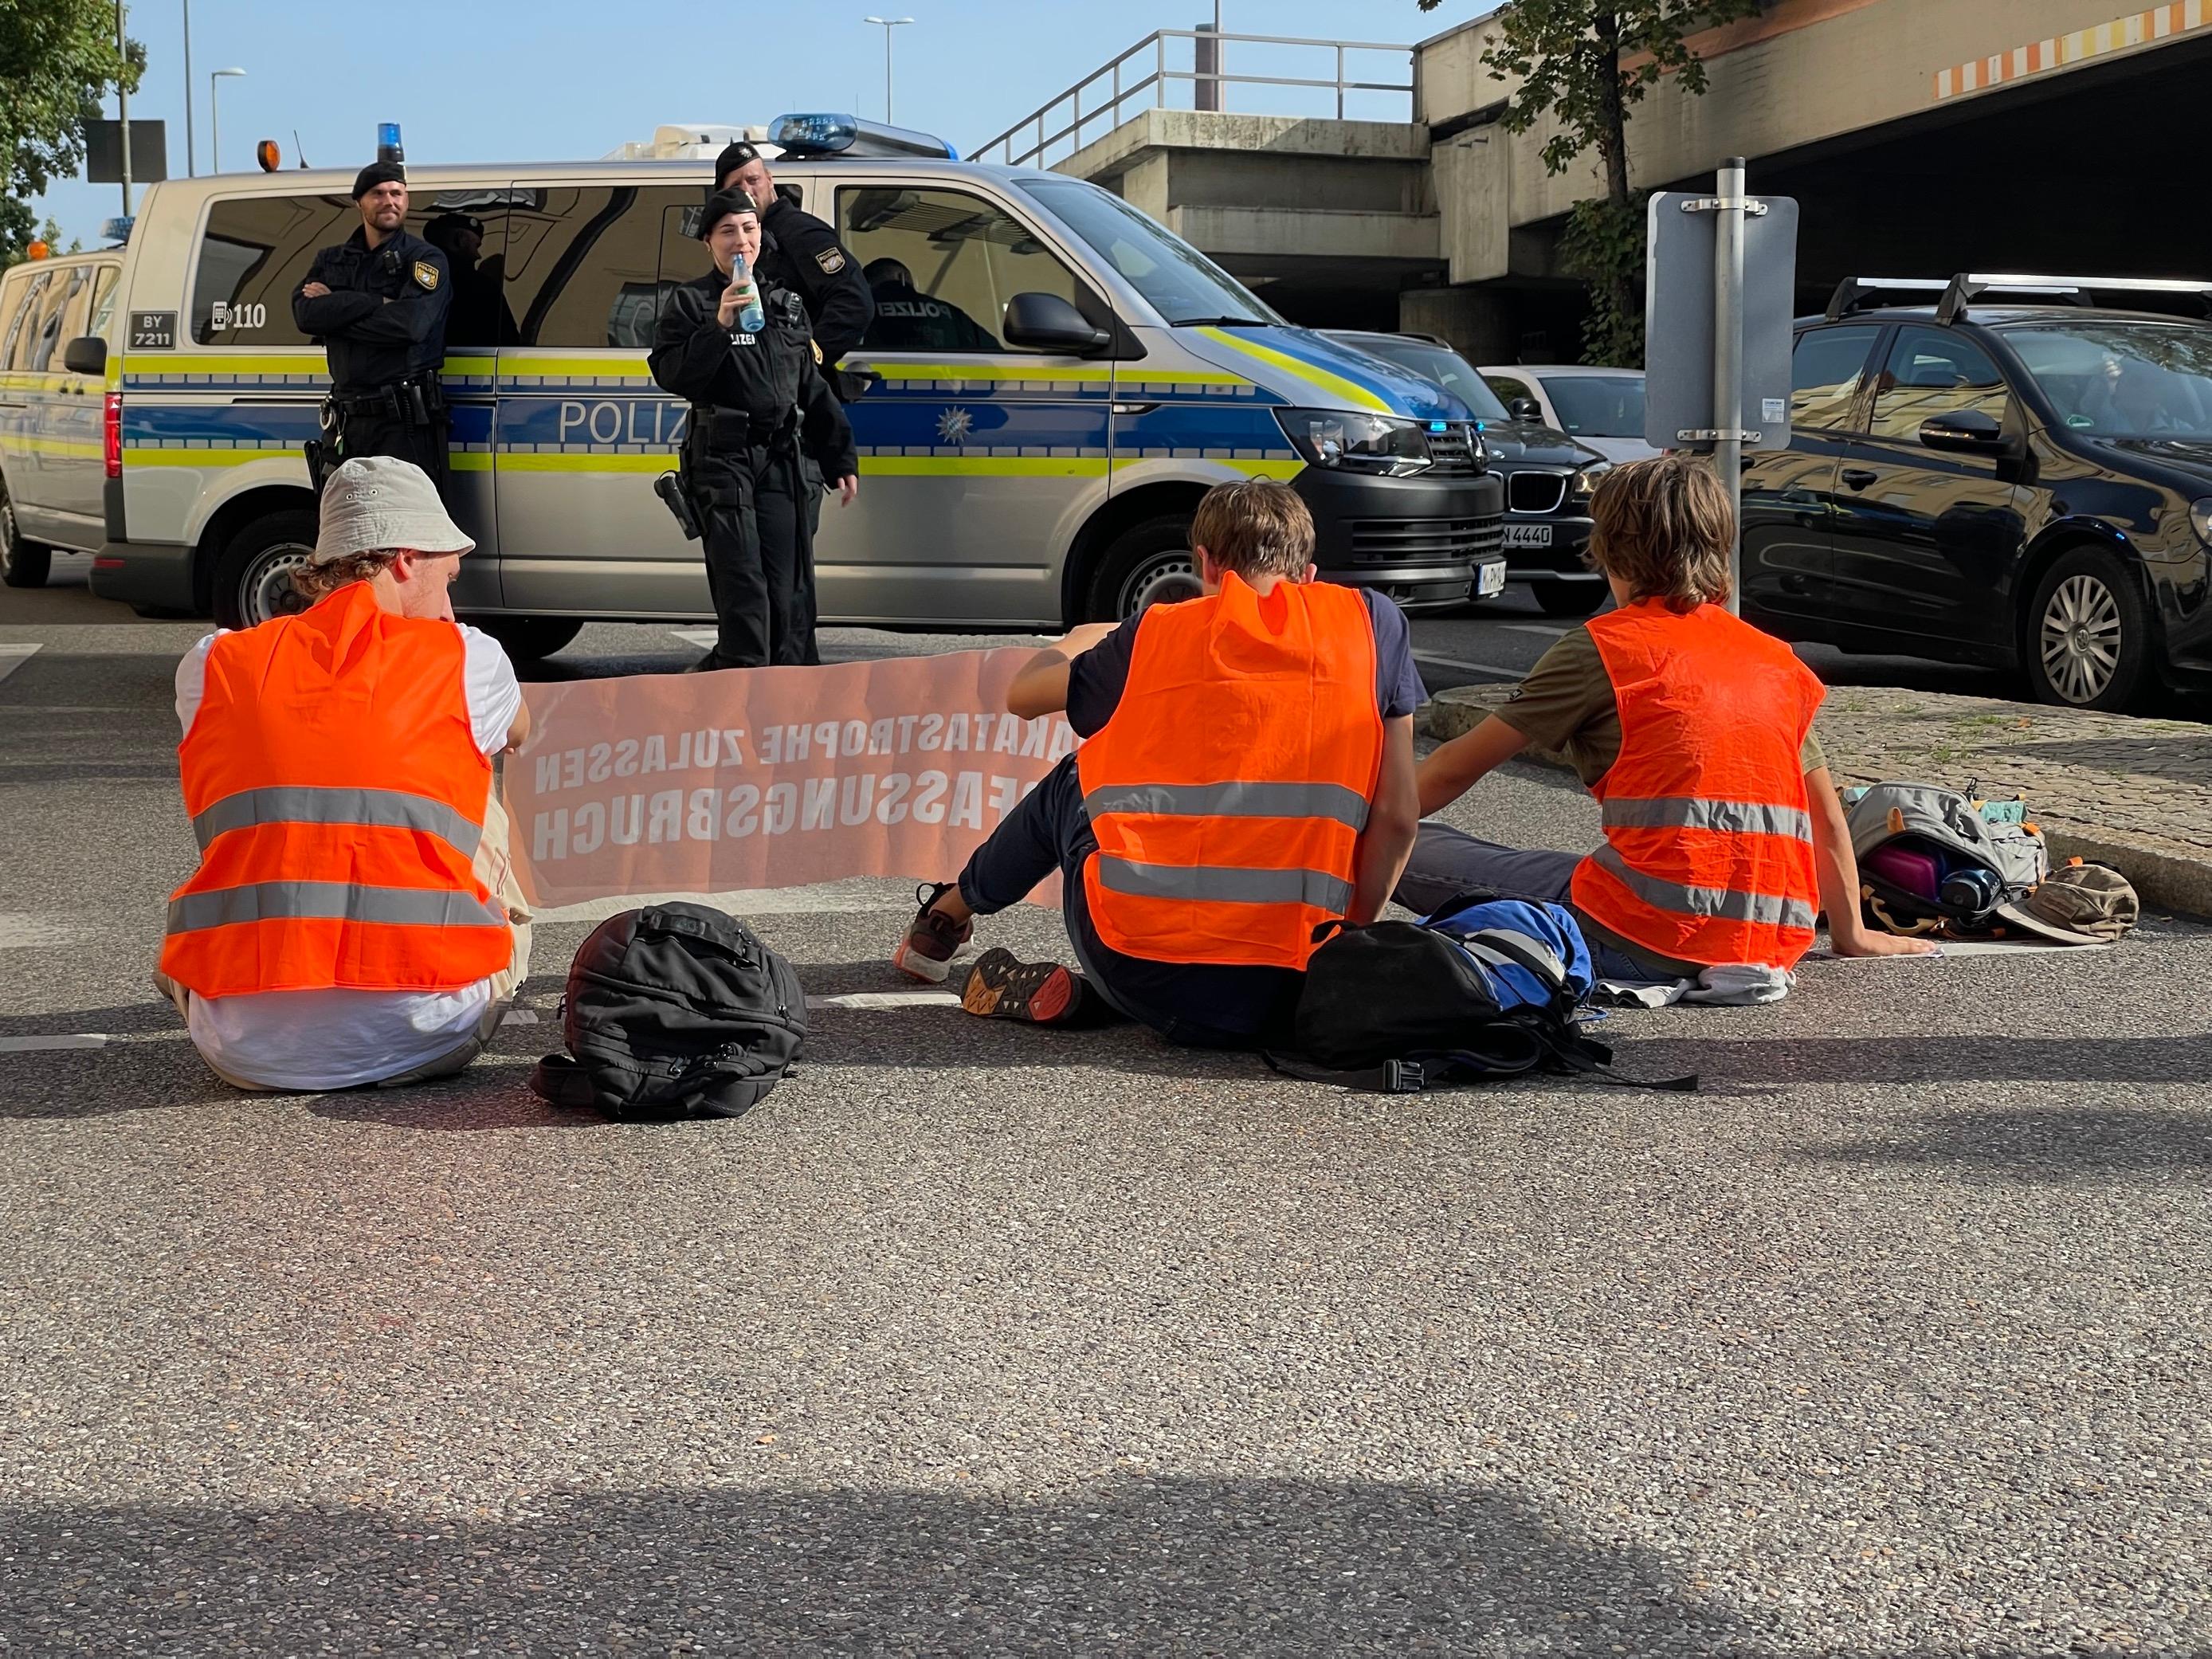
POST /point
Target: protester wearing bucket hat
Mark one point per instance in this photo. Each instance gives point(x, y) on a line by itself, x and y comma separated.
point(355, 917)
point(379, 301)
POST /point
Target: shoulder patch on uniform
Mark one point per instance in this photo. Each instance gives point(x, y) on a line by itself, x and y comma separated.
point(831, 259)
point(426, 274)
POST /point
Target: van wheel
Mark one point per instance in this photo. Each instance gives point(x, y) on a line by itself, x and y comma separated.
point(253, 578)
point(526, 639)
point(20, 564)
point(2088, 634)
point(1569, 598)
point(1148, 564)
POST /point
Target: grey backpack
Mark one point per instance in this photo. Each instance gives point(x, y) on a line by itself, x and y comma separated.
point(1931, 858)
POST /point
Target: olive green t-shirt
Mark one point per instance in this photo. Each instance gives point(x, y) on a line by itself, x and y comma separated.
point(1566, 703)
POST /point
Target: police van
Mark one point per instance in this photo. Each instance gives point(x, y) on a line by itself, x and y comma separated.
point(57, 330)
point(1060, 382)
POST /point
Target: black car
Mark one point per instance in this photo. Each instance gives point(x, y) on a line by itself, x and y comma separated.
point(2019, 484)
point(1548, 476)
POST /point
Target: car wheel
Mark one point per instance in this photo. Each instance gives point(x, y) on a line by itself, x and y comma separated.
point(1569, 598)
point(20, 564)
point(1150, 563)
point(526, 639)
point(253, 578)
point(2088, 633)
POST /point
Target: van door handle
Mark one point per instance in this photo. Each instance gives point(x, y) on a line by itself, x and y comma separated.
point(1858, 478)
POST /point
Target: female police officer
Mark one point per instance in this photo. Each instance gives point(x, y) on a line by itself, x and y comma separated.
point(758, 403)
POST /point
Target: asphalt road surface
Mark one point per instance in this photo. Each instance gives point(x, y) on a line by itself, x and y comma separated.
point(975, 1340)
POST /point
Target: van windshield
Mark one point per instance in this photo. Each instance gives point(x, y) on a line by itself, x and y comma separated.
point(1176, 280)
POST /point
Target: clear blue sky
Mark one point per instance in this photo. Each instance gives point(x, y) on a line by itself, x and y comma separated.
point(543, 80)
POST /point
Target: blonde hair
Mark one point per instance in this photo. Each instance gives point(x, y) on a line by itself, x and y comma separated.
point(1663, 528)
point(318, 581)
point(1255, 526)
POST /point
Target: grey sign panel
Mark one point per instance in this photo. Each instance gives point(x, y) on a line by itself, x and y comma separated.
point(103, 152)
point(1678, 312)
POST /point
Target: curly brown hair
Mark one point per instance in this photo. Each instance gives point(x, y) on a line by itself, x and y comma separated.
point(318, 581)
point(1663, 528)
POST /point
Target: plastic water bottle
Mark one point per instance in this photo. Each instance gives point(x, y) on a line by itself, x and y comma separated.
point(751, 318)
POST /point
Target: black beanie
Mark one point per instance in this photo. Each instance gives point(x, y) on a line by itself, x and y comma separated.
point(721, 205)
point(733, 157)
point(375, 173)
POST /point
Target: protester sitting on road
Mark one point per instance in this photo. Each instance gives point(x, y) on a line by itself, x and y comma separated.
point(355, 918)
point(1249, 774)
point(1724, 834)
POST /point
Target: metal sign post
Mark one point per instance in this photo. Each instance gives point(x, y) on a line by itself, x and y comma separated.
point(1720, 287)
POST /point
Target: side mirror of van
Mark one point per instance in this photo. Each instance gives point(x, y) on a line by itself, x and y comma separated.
point(1045, 322)
point(86, 355)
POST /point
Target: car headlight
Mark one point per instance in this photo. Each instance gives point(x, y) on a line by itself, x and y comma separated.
point(1356, 443)
point(1584, 484)
point(2200, 519)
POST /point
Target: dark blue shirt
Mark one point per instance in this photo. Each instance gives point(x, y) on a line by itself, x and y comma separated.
point(1226, 1003)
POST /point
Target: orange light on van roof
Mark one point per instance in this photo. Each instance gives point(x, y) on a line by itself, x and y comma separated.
point(267, 154)
point(37, 250)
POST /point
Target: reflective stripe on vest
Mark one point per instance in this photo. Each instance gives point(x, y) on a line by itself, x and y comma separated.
point(1741, 817)
point(390, 809)
point(1217, 883)
point(1230, 801)
point(1721, 903)
point(330, 901)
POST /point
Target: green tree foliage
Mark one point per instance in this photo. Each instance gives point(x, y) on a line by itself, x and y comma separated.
point(57, 59)
point(1584, 63)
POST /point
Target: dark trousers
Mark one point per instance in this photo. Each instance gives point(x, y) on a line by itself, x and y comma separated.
point(1048, 831)
point(362, 434)
point(758, 568)
point(1448, 862)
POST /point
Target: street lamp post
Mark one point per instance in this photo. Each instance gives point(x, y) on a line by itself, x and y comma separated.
point(888, 25)
point(190, 170)
point(215, 119)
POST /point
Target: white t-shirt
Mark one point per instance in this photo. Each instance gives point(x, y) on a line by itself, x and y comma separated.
point(339, 1038)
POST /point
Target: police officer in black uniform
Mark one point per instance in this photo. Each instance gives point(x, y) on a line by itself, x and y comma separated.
point(907, 320)
point(377, 300)
point(803, 254)
point(760, 410)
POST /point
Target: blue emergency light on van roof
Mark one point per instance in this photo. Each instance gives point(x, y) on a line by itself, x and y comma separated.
point(119, 230)
point(815, 136)
point(387, 142)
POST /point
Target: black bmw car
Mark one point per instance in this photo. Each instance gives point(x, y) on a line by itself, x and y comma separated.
point(1548, 476)
point(2022, 483)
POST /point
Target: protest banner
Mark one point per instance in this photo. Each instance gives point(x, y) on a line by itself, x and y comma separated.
point(771, 777)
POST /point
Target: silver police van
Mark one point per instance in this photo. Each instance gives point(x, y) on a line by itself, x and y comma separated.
point(57, 331)
point(1056, 382)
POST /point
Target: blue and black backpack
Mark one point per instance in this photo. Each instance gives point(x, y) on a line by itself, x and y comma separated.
point(1482, 987)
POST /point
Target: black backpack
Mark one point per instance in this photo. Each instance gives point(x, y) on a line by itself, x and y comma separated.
point(1401, 1006)
point(674, 1011)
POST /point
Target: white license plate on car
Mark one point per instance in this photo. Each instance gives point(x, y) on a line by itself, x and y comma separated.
point(1489, 580)
point(1527, 535)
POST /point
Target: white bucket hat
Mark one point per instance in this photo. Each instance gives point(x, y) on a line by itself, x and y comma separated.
point(375, 503)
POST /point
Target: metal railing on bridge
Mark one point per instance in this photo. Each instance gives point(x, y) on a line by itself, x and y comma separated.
point(1154, 70)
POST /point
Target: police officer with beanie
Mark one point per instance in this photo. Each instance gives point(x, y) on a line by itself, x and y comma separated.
point(803, 254)
point(760, 411)
point(378, 301)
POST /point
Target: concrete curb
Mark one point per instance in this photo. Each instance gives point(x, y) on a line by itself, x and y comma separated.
point(2169, 874)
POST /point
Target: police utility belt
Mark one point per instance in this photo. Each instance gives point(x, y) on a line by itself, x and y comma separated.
point(418, 399)
point(733, 431)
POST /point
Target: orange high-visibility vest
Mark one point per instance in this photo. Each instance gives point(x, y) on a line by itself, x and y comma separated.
point(338, 795)
point(1229, 788)
point(1708, 838)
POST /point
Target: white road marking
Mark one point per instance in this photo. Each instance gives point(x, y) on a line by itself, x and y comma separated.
point(887, 999)
point(32, 1045)
point(1549, 633)
point(13, 656)
point(1470, 667)
point(519, 1016)
point(825, 898)
point(20, 931)
point(701, 637)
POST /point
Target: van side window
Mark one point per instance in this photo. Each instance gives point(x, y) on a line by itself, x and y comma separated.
point(257, 250)
point(942, 264)
point(587, 266)
point(106, 286)
point(19, 302)
point(61, 313)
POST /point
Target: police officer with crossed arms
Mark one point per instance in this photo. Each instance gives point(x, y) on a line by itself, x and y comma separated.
point(760, 410)
point(378, 301)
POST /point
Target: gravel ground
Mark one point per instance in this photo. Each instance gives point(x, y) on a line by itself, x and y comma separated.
point(978, 1340)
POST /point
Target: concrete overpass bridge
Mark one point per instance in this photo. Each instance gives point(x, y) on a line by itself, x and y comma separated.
point(1921, 136)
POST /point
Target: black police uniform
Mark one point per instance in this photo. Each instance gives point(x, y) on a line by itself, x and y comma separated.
point(760, 411)
point(800, 253)
point(907, 319)
point(383, 324)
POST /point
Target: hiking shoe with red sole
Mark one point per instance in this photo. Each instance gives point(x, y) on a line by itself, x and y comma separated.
point(1001, 986)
